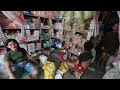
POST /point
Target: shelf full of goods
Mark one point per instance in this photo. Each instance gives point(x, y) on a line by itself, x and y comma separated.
point(57, 32)
point(25, 28)
point(32, 30)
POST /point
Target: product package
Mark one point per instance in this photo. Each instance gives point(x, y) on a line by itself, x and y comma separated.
point(31, 48)
point(49, 70)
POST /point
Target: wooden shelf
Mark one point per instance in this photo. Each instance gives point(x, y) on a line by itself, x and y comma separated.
point(29, 15)
point(9, 29)
point(32, 29)
point(2, 45)
point(33, 41)
point(55, 38)
point(46, 27)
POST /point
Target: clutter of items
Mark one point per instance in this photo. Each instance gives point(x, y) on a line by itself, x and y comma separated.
point(59, 45)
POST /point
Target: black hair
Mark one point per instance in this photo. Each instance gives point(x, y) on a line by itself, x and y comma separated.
point(88, 46)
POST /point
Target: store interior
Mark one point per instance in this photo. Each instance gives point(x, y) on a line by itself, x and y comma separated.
point(54, 41)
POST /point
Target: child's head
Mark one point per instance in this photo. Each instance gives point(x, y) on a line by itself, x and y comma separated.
point(88, 46)
point(12, 44)
point(115, 27)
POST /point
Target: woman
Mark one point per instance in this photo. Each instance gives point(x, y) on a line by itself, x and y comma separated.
point(16, 60)
point(110, 44)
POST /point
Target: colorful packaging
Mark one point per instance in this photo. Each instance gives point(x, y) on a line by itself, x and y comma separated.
point(49, 70)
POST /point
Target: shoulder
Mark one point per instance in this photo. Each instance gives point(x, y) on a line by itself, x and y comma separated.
point(8, 53)
point(6, 57)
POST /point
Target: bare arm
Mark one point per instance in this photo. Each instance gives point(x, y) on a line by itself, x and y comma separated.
point(9, 70)
point(86, 64)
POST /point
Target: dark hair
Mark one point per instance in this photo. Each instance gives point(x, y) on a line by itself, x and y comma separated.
point(88, 46)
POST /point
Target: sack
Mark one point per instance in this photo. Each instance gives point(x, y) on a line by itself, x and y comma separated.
point(49, 70)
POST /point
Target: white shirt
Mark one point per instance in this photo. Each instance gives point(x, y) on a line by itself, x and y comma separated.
point(94, 54)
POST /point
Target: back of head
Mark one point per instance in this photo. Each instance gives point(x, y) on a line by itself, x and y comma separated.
point(88, 46)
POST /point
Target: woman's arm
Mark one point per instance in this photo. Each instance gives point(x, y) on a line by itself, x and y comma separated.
point(9, 70)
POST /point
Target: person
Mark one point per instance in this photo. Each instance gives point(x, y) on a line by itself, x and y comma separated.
point(81, 62)
point(16, 61)
point(93, 50)
point(110, 44)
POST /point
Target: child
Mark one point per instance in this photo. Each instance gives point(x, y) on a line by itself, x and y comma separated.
point(16, 60)
point(81, 62)
point(94, 44)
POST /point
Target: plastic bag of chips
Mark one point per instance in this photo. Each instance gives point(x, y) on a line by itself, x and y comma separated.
point(49, 70)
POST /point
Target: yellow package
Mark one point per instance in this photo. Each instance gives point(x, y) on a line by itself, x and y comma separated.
point(63, 67)
point(49, 70)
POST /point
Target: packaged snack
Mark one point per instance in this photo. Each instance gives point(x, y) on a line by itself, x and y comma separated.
point(49, 70)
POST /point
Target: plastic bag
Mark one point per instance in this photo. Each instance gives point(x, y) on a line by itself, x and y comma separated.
point(49, 70)
point(63, 67)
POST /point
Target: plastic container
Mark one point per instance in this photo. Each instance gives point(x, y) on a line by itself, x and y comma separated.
point(43, 59)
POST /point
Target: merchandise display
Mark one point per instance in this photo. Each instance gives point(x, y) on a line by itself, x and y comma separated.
point(49, 70)
point(56, 42)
